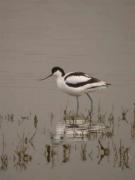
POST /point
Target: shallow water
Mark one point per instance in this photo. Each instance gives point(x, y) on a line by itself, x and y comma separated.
point(95, 36)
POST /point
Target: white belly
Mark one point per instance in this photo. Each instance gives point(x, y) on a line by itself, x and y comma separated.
point(78, 91)
point(69, 90)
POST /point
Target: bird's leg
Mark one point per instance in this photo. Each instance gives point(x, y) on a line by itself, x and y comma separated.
point(77, 110)
point(91, 102)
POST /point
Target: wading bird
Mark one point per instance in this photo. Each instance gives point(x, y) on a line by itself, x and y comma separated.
point(76, 83)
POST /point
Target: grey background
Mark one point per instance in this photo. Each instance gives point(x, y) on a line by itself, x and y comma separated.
point(94, 36)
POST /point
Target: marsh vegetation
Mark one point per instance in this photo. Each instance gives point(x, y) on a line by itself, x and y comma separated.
point(97, 139)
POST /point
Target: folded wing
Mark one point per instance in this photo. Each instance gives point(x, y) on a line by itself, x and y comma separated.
point(79, 79)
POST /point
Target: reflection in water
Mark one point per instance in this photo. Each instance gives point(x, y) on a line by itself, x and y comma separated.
point(82, 127)
point(103, 152)
point(121, 156)
point(133, 125)
point(50, 154)
point(124, 114)
point(83, 151)
point(66, 152)
point(75, 136)
point(3, 157)
point(22, 157)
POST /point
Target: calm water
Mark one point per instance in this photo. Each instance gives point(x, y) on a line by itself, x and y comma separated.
point(39, 137)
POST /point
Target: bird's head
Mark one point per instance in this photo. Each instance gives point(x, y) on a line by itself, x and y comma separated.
point(56, 71)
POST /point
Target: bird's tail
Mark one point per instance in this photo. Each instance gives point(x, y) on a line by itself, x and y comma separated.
point(108, 84)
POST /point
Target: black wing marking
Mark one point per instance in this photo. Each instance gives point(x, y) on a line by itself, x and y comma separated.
point(79, 84)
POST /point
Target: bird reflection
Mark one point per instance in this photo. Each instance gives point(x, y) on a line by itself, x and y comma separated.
point(72, 137)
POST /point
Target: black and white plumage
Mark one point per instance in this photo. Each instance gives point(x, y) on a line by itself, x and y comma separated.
point(76, 83)
point(82, 80)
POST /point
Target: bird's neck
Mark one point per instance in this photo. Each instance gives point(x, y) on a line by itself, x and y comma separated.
point(59, 77)
point(59, 81)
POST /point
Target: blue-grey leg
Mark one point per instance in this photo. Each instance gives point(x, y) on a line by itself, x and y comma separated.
point(91, 102)
point(77, 100)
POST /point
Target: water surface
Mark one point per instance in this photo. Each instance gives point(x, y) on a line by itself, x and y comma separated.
point(95, 36)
